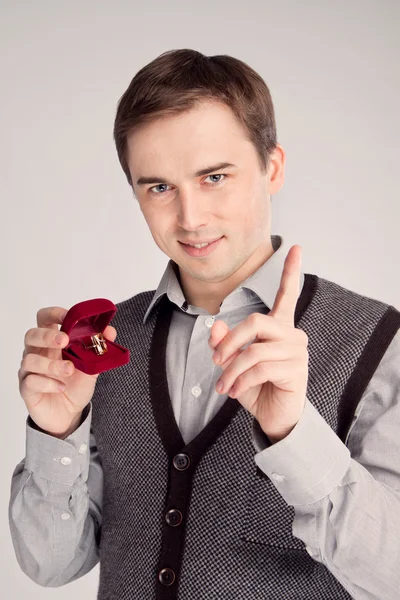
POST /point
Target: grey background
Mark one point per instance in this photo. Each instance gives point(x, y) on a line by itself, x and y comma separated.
point(70, 227)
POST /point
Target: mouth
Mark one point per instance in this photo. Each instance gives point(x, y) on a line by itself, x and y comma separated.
point(202, 251)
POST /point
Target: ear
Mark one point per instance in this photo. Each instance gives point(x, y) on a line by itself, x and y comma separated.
point(276, 169)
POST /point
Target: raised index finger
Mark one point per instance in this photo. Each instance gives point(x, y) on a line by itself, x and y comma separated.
point(286, 298)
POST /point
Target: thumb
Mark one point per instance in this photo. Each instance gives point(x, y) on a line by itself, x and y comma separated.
point(218, 332)
point(110, 333)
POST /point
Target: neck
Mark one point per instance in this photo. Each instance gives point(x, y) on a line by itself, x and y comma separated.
point(209, 296)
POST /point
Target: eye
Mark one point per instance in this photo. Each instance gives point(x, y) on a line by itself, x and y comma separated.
point(157, 186)
point(217, 175)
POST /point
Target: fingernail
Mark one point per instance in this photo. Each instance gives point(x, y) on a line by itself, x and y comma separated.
point(67, 367)
point(219, 386)
point(216, 356)
point(59, 338)
point(61, 386)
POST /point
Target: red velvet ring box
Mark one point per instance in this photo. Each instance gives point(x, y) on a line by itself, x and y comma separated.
point(83, 320)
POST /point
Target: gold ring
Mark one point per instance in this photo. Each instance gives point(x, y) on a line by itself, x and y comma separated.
point(99, 343)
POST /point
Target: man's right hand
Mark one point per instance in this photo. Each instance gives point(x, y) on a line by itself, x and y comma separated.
point(56, 411)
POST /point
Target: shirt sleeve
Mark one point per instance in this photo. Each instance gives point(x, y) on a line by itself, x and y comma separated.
point(55, 504)
point(347, 496)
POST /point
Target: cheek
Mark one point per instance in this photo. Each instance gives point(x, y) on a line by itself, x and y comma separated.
point(249, 206)
point(152, 222)
point(162, 227)
point(253, 222)
point(250, 223)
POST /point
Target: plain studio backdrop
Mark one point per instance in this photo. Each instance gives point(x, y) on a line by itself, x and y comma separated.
point(70, 227)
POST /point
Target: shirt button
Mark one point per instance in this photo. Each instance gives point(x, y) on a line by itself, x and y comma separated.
point(65, 460)
point(209, 321)
point(65, 516)
point(82, 448)
point(166, 576)
point(174, 517)
point(309, 550)
point(278, 478)
point(181, 462)
point(196, 391)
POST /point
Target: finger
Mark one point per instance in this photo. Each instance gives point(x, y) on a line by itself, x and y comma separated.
point(34, 383)
point(255, 328)
point(217, 333)
point(110, 333)
point(42, 365)
point(50, 316)
point(279, 373)
point(257, 354)
point(42, 337)
point(288, 293)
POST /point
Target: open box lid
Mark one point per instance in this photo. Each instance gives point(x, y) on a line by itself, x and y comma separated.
point(88, 317)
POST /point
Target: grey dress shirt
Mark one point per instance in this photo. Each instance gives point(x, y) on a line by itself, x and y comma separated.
point(344, 494)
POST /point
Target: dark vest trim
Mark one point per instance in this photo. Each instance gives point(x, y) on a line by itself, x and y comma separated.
point(180, 481)
point(161, 402)
point(307, 294)
point(368, 362)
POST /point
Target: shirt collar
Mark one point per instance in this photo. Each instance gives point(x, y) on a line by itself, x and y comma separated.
point(263, 283)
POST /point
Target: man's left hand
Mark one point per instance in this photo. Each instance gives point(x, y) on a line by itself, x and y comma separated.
point(269, 377)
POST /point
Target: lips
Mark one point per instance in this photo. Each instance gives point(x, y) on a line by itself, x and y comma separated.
point(203, 251)
point(192, 244)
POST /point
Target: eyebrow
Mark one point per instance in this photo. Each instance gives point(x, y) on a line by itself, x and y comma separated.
point(206, 171)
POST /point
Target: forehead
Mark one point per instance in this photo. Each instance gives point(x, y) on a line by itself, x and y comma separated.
point(207, 131)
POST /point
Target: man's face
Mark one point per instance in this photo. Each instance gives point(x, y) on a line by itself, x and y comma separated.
point(232, 203)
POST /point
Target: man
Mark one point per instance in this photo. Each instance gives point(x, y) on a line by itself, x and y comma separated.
point(282, 481)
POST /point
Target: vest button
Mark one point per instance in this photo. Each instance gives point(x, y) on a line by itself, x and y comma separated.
point(166, 576)
point(173, 517)
point(181, 462)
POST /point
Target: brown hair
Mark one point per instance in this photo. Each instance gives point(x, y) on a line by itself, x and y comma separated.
point(177, 80)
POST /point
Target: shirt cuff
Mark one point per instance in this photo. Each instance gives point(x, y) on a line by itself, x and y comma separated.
point(55, 459)
point(308, 463)
point(260, 438)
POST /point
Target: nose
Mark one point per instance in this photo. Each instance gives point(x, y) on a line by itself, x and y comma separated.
point(192, 211)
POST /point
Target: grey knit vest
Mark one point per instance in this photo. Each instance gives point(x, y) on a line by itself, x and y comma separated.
point(201, 521)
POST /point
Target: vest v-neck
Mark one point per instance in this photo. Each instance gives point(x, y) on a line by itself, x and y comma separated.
point(160, 399)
